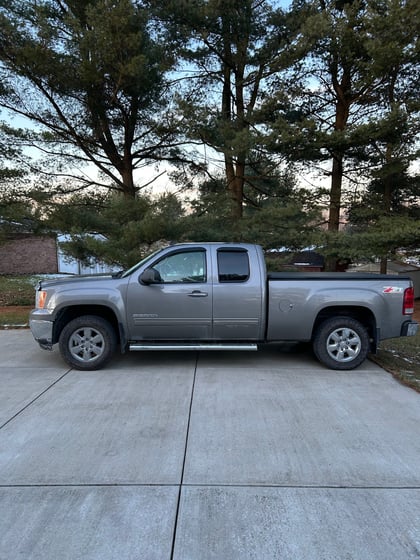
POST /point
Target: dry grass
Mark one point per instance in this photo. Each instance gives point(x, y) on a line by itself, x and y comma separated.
point(17, 296)
point(14, 316)
point(401, 357)
point(17, 290)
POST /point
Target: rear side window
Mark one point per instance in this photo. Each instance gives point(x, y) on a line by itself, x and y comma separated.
point(233, 265)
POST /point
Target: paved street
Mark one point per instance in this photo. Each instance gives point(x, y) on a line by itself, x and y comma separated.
point(221, 456)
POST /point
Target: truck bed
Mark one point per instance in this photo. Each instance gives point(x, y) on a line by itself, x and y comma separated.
point(296, 300)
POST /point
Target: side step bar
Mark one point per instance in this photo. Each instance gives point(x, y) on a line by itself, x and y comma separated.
point(139, 346)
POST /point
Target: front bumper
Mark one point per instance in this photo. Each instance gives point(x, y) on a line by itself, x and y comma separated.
point(41, 328)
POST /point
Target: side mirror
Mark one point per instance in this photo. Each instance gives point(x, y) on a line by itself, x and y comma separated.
point(150, 276)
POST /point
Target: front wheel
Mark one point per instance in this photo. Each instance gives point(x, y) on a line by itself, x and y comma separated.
point(87, 342)
point(341, 343)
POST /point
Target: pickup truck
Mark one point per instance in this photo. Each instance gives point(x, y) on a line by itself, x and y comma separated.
point(218, 296)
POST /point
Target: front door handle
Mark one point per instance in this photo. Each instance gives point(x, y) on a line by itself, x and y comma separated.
point(197, 293)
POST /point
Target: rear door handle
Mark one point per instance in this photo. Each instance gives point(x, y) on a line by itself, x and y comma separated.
point(197, 293)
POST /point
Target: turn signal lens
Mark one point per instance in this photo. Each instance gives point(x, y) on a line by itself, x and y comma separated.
point(41, 296)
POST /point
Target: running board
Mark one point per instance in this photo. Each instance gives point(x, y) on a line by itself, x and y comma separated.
point(190, 346)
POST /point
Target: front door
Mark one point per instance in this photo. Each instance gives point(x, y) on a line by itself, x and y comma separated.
point(179, 306)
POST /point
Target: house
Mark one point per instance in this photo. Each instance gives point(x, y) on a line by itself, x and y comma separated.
point(25, 253)
point(307, 260)
point(69, 265)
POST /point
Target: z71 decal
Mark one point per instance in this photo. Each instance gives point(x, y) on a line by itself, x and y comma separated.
point(392, 290)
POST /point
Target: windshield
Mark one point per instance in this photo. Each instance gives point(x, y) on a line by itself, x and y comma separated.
point(141, 263)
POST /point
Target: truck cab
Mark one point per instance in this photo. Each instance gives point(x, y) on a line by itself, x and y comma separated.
point(201, 292)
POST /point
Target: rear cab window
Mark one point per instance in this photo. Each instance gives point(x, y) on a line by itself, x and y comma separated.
point(233, 265)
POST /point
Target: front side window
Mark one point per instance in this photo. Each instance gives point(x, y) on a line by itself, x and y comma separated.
point(233, 265)
point(183, 267)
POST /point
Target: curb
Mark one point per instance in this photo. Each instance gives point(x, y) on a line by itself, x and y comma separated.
point(7, 327)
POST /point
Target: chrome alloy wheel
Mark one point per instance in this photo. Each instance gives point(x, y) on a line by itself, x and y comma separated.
point(343, 344)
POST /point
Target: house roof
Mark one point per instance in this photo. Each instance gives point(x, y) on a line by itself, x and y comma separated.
point(393, 267)
point(308, 258)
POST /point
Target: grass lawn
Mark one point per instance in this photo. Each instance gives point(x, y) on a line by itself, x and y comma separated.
point(14, 316)
point(17, 297)
point(400, 356)
point(17, 290)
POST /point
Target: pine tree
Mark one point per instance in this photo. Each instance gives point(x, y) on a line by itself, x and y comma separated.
point(231, 49)
point(335, 108)
point(90, 79)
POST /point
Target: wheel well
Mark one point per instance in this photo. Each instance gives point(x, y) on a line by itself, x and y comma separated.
point(361, 314)
point(67, 314)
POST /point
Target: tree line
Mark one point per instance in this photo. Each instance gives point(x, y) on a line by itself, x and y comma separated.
point(288, 126)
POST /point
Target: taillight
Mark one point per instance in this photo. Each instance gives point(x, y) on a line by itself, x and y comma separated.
point(408, 303)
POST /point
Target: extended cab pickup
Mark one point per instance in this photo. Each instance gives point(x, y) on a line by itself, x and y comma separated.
point(218, 296)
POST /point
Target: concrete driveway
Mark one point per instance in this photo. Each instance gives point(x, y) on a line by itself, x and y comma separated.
point(213, 456)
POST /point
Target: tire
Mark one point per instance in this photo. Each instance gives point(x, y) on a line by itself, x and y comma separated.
point(341, 343)
point(87, 342)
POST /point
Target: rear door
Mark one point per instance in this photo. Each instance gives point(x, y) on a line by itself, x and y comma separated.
point(237, 296)
point(179, 307)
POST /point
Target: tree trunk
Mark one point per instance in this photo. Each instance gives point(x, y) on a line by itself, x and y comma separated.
point(127, 187)
point(235, 177)
point(335, 193)
point(334, 208)
point(387, 198)
point(342, 109)
point(233, 114)
point(384, 265)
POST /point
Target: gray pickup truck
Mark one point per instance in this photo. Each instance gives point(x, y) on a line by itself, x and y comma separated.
point(218, 296)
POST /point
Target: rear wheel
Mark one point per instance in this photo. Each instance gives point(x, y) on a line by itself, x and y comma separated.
point(341, 343)
point(87, 342)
